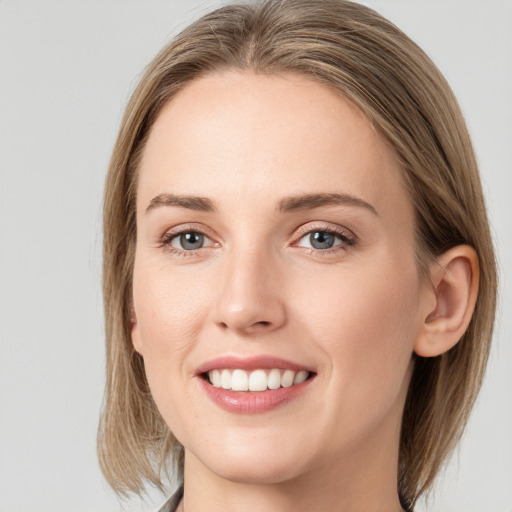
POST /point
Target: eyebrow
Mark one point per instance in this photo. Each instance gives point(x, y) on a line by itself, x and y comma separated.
point(310, 201)
point(287, 204)
point(202, 204)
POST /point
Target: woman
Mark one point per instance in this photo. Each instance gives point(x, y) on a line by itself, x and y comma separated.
point(299, 278)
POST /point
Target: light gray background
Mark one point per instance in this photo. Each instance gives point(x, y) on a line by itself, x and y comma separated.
point(66, 71)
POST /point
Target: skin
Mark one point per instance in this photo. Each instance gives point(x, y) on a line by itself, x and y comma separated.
point(354, 313)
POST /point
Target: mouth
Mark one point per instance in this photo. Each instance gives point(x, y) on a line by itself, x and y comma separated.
point(253, 385)
point(256, 380)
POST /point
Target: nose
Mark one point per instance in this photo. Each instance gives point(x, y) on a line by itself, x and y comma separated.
point(251, 294)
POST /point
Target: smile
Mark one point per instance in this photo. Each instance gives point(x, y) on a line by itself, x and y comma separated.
point(252, 385)
point(256, 380)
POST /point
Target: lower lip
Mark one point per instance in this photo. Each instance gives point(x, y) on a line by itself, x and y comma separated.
point(252, 402)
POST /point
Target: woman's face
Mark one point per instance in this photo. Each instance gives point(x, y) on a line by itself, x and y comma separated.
point(274, 234)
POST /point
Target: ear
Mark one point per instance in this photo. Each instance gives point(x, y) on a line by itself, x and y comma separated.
point(449, 302)
point(136, 341)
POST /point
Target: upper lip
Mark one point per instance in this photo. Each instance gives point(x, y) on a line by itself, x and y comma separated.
point(251, 363)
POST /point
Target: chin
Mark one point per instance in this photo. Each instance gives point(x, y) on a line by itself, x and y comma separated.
point(257, 474)
point(253, 466)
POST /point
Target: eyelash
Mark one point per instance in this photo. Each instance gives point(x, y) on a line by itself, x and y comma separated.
point(346, 237)
point(168, 237)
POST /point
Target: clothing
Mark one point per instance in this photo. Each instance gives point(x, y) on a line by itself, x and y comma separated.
point(173, 501)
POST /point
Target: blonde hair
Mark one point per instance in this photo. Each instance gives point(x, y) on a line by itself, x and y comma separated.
point(378, 68)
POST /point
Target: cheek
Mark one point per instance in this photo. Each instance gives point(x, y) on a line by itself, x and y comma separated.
point(167, 308)
point(364, 321)
point(169, 314)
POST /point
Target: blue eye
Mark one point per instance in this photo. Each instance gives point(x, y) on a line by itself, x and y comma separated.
point(189, 241)
point(323, 240)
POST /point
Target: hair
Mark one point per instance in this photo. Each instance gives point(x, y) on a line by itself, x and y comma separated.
point(375, 66)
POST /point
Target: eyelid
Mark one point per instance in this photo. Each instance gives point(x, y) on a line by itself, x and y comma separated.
point(188, 227)
point(341, 231)
point(347, 239)
point(171, 233)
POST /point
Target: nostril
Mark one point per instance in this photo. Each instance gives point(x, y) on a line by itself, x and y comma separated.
point(261, 325)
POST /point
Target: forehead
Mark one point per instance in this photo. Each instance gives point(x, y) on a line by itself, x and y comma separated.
point(239, 134)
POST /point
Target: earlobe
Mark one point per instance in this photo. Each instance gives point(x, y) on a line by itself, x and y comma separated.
point(454, 278)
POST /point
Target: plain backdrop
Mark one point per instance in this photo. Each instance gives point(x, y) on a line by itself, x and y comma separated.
point(66, 71)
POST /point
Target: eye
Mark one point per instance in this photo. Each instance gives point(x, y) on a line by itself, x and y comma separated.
point(324, 239)
point(183, 241)
point(320, 239)
point(189, 241)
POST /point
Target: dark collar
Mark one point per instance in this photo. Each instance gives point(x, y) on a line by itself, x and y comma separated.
point(173, 501)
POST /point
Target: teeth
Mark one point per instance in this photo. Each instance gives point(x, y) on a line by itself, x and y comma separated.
point(257, 380)
point(225, 379)
point(274, 379)
point(239, 380)
point(287, 379)
point(300, 377)
point(215, 378)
